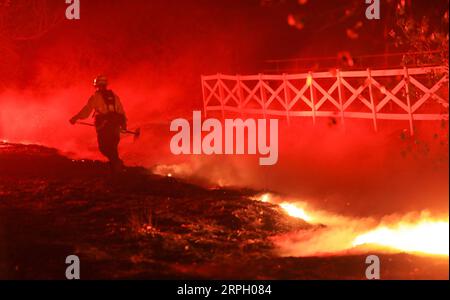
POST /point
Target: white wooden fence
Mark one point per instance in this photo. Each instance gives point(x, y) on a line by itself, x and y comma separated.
point(408, 94)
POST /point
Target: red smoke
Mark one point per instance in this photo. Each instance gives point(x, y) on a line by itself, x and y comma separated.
point(154, 53)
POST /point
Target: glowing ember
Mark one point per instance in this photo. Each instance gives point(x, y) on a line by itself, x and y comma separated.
point(309, 80)
point(425, 237)
point(265, 198)
point(295, 211)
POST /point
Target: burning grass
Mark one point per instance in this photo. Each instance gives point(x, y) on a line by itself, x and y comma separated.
point(141, 225)
point(418, 233)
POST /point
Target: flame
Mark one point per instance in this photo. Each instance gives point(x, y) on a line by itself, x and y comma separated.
point(265, 198)
point(410, 233)
point(430, 237)
point(296, 212)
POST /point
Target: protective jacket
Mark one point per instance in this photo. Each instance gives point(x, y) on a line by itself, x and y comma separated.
point(103, 103)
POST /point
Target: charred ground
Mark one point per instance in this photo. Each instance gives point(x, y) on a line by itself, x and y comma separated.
point(138, 225)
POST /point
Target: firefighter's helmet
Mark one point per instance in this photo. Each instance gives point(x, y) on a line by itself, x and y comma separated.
point(100, 80)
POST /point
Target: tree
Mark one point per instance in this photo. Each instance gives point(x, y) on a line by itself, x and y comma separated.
point(418, 30)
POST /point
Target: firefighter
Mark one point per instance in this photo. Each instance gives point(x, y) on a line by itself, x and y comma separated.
point(110, 119)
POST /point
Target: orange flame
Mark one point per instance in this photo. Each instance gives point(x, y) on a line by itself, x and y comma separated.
point(295, 211)
point(430, 237)
point(425, 235)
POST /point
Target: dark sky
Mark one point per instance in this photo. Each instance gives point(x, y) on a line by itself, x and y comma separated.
point(219, 36)
point(189, 36)
point(154, 53)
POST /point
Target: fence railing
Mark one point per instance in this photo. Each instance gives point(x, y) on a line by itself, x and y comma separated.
point(407, 94)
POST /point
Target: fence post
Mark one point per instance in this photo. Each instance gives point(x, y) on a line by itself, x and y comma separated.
point(204, 97)
point(338, 77)
point(263, 94)
point(408, 100)
point(287, 99)
point(222, 98)
point(311, 92)
point(241, 95)
point(372, 102)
